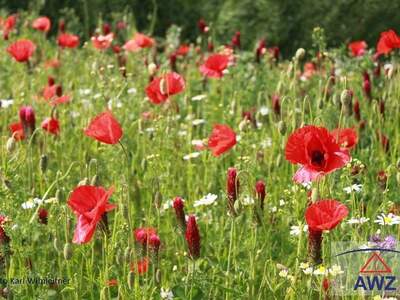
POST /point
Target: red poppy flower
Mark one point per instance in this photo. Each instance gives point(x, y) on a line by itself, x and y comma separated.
point(42, 24)
point(102, 42)
point(141, 267)
point(17, 131)
point(388, 41)
point(112, 282)
point(317, 151)
point(67, 40)
point(358, 48)
point(60, 100)
point(49, 91)
point(22, 50)
point(214, 66)
point(309, 70)
point(143, 234)
point(89, 203)
point(182, 50)
point(325, 214)
point(221, 139)
point(9, 25)
point(347, 138)
point(139, 41)
point(161, 88)
point(104, 128)
point(51, 125)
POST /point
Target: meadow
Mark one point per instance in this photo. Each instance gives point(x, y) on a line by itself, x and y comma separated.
point(135, 167)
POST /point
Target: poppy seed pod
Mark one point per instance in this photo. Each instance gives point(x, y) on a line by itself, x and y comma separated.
point(232, 189)
point(180, 212)
point(193, 237)
point(282, 127)
point(57, 244)
point(43, 163)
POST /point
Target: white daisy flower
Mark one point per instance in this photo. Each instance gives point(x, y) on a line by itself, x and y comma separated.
point(390, 219)
point(361, 220)
point(335, 270)
point(132, 90)
point(284, 273)
point(166, 294)
point(197, 122)
point(353, 188)
point(248, 200)
point(199, 97)
point(295, 230)
point(264, 110)
point(191, 155)
point(321, 271)
point(5, 103)
point(28, 204)
point(206, 200)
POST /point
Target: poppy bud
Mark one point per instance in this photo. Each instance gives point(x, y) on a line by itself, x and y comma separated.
point(300, 53)
point(158, 276)
point(367, 89)
point(276, 104)
point(84, 181)
point(232, 189)
point(43, 214)
point(131, 279)
point(106, 28)
point(282, 127)
point(356, 110)
point(236, 40)
point(157, 199)
point(202, 25)
point(179, 212)
point(10, 146)
point(61, 26)
point(346, 97)
point(57, 245)
point(260, 191)
point(127, 254)
point(152, 68)
point(193, 237)
point(382, 179)
point(27, 118)
point(43, 163)
point(154, 242)
point(67, 251)
point(50, 81)
point(95, 180)
point(314, 195)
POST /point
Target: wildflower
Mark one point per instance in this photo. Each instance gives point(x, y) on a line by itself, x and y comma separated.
point(316, 150)
point(206, 200)
point(166, 294)
point(201, 24)
point(361, 220)
point(141, 267)
point(353, 188)
point(358, 48)
point(102, 42)
point(260, 191)
point(295, 230)
point(138, 42)
point(214, 66)
point(199, 97)
point(335, 270)
point(161, 88)
point(322, 215)
point(89, 203)
point(179, 206)
point(51, 125)
point(389, 219)
point(389, 242)
point(347, 137)
point(232, 189)
point(42, 24)
point(67, 40)
point(321, 270)
point(143, 234)
point(198, 122)
point(388, 41)
point(104, 128)
point(248, 200)
point(22, 50)
point(191, 155)
point(193, 237)
point(222, 139)
point(43, 214)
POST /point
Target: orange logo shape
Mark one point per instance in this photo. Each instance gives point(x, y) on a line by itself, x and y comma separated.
point(376, 264)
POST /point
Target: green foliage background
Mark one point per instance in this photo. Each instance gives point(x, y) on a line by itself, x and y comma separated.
point(287, 23)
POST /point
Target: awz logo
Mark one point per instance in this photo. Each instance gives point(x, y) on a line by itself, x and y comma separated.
point(374, 275)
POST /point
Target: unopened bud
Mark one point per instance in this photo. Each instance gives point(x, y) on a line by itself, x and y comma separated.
point(346, 97)
point(127, 254)
point(67, 251)
point(314, 195)
point(43, 163)
point(57, 245)
point(10, 146)
point(300, 53)
point(84, 181)
point(95, 180)
point(152, 68)
point(282, 127)
point(131, 279)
